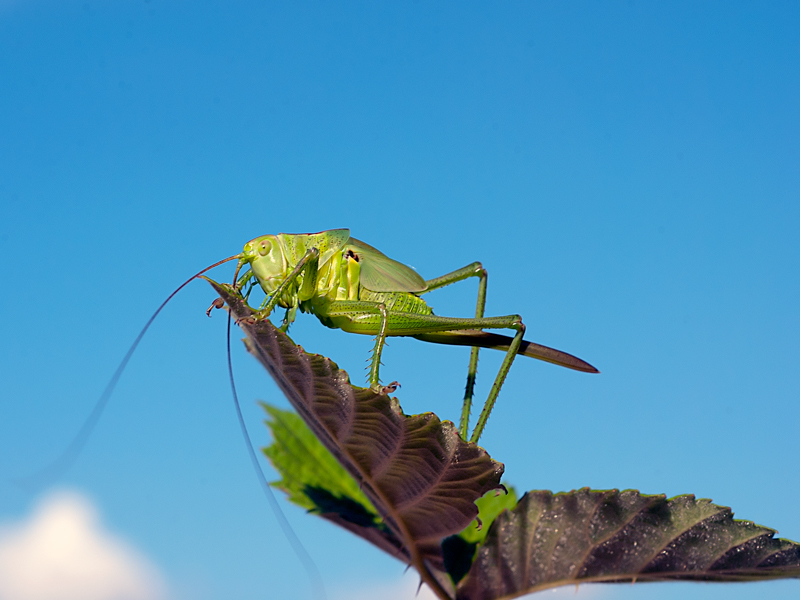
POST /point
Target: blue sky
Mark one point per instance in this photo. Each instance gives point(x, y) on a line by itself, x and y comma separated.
point(628, 173)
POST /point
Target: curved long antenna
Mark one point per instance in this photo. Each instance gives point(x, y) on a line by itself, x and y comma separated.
point(61, 464)
point(297, 546)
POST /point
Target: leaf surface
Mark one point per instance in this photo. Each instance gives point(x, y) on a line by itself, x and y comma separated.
point(583, 536)
point(314, 479)
point(422, 478)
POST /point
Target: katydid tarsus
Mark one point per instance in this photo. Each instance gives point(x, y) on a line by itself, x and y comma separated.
point(350, 285)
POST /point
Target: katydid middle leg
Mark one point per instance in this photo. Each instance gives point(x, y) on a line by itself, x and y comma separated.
point(380, 341)
point(288, 318)
point(363, 317)
point(474, 270)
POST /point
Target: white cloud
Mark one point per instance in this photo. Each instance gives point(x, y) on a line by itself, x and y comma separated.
point(579, 592)
point(406, 589)
point(400, 589)
point(62, 552)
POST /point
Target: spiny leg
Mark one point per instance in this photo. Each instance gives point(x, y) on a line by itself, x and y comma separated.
point(472, 371)
point(380, 341)
point(308, 264)
point(370, 318)
point(474, 270)
point(247, 277)
point(498, 381)
point(251, 284)
point(288, 318)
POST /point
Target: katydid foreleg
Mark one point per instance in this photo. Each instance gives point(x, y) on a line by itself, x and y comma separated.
point(474, 270)
point(308, 265)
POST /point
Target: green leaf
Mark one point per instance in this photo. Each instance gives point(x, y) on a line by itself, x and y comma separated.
point(304, 464)
point(459, 550)
point(490, 505)
point(549, 540)
point(314, 479)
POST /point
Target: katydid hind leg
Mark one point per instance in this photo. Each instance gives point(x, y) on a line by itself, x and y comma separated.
point(505, 367)
point(472, 270)
point(472, 370)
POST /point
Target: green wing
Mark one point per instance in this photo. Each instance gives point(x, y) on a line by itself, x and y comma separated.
point(380, 273)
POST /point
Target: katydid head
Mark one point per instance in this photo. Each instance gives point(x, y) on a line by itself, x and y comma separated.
point(266, 259)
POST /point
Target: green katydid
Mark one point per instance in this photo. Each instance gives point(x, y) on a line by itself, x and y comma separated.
point(350, 285)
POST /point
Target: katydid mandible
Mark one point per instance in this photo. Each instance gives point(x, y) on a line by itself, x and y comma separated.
point(350, 285)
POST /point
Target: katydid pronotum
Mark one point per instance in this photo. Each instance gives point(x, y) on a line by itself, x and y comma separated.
point(352, 286)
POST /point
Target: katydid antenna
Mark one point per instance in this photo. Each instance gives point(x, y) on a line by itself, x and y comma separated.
point(70, 454)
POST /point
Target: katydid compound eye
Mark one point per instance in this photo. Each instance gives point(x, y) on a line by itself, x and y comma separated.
point(264, 247)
